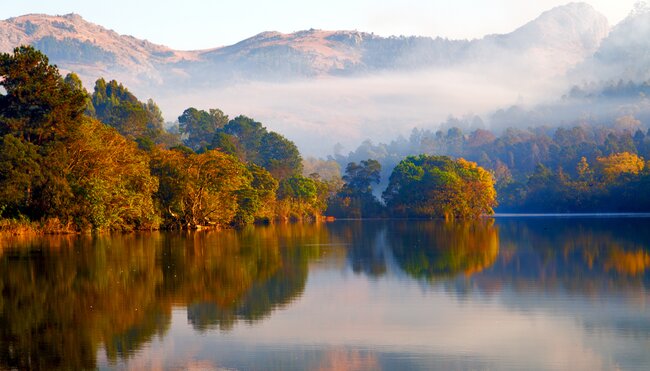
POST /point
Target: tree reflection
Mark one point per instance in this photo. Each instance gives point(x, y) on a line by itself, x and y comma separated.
point(366, 249)
point(587, 255)
point(632, 263)
point(62, 299)
point(275, 287)
point(437, 249)
point(65, 298)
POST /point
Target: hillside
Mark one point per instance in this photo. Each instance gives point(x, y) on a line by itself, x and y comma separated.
point(324, 87)
point(552, 43)
point(624, 54)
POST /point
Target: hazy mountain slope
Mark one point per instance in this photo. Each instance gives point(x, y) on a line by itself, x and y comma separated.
point(323, 87)
point(553, 42)
point(550, 44)
point(89, 49)
point(623, 54)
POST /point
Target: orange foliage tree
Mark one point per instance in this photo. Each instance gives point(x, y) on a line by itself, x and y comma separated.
point(617, 164)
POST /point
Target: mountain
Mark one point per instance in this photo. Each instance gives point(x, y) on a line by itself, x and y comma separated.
point(624, 54)
point(553, 42)
point(88, 49)
point(321, 87)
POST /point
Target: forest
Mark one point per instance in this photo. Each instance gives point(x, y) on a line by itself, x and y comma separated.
point(574, 168)
point(71, 161)
point(74, 161)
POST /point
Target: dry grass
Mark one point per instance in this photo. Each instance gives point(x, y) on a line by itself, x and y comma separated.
point(19, 227)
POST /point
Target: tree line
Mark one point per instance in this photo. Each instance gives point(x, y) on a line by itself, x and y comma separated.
point(580, 168)
point(71, 160)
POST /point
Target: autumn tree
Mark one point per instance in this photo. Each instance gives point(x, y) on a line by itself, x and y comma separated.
point(616, 164)
point(202, 189)
point(437, 186)
point(110, 180)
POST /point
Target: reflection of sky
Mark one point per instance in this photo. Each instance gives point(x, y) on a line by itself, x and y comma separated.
point(555, 317)
point(403, 322)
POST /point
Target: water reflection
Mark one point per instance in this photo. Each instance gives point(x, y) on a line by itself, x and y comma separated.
point(495, 289)
point(64, 297)
point(438, 249)
point(584, 256)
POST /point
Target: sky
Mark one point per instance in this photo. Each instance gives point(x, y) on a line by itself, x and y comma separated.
point(202, 24)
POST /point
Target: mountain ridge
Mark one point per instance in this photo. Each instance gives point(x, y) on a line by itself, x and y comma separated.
point(561, 37)
point(326, 86)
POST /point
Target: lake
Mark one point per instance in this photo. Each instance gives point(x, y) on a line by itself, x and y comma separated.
point(539, 293)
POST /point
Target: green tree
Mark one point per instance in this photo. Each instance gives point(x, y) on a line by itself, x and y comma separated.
point(437, 186)
point(298, 198)
point(116, 106)
point(198, 127)
point(224, 143)
point(38, 105)
point(253, 143)
point(73, 80)
point(20, 173)
point(279, 156)
point(265, 186)
point(355, 199)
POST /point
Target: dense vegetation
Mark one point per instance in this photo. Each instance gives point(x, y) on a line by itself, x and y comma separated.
point(419, 187)
point(72, 161)
point(566, 169)
point(437, 186)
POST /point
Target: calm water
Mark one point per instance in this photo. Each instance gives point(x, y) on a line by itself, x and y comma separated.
point(510, 293)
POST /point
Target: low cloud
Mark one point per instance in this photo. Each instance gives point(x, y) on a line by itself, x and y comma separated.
point(319, 113)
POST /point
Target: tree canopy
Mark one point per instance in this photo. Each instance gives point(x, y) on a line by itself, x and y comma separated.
point(38, 105)
point(253, 143)
point(114, 105)
point(437, 186)
point(198, 126)
point(75, 162)
point(355, 198)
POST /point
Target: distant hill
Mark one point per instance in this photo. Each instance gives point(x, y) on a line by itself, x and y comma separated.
point(552, 43)
point(624, 54)
point(324, 87)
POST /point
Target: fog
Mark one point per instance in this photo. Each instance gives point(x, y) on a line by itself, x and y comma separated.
point(319, 113)
point(523, 79)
